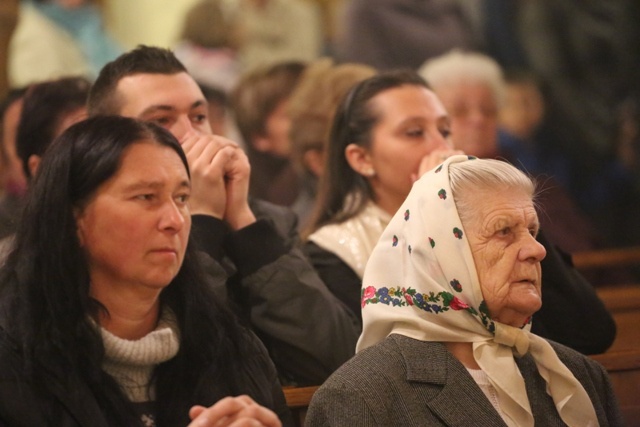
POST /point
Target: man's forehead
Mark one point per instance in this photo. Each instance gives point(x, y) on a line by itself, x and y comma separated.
point(138, 92)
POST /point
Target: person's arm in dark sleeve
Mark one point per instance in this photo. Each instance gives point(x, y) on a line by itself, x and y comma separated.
point(309, 333)
point(208, 233)
point(572, 313)
point(341, 280)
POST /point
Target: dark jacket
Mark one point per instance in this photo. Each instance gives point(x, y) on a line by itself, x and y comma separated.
point(69, 401)
point(308, 332)
point(571, 314)
point(405, 382)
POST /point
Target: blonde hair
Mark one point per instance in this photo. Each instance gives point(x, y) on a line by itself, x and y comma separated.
point(210, 24)
point(315, 100)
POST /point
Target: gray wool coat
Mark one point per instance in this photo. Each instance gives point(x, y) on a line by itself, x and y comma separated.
point(406, 382)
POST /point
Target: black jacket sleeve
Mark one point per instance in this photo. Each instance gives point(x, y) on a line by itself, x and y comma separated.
point(341, 280)
point(308, 332)
point(572, 313)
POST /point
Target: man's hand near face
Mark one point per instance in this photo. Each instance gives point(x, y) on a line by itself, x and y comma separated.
point(208, 156)
point(219, 178)
point(238, 214)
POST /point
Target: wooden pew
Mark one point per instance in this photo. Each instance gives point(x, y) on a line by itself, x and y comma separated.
point(624, 370)
point(298, 399)
point(604, 258)
point(623, 301)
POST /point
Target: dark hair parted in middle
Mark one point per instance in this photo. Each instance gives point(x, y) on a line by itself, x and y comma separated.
point(45, 284)
point(353, 122)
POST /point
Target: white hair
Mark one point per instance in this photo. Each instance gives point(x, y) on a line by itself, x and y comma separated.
point(457, 67)
point(485, 175)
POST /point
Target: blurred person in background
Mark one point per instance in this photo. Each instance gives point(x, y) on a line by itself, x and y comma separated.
point(472, 88)
point(389, 34)
point(14, 182)
point(273, 31)
point(48, 109)
point(312, 108)
point(56, 38)
point(586, 56)
point(260, 103)
point(208, 45)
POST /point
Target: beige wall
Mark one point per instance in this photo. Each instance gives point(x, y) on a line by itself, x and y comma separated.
point(158, 22)
point(152, 22)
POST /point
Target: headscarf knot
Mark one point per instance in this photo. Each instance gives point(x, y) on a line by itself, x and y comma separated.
point(512, 337)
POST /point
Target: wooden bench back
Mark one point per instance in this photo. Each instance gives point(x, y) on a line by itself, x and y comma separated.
point(298, 399)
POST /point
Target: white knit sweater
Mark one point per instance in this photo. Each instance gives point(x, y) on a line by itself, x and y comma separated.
point(131, 363)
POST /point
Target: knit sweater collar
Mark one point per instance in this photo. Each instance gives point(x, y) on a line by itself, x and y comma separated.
point(131, 362)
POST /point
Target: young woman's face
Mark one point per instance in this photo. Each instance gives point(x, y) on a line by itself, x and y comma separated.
point(412, 124)
point(135, 228)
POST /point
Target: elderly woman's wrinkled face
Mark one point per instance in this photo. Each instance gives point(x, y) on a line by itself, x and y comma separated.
point(501, 232)
point(136, 226)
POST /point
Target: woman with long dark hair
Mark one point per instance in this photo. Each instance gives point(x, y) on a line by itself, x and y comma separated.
point(389, 130)
point(105, 316)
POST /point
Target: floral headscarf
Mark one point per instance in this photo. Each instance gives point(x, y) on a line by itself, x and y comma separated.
point(421, 282)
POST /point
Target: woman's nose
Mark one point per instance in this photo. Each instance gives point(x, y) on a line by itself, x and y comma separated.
point(532, 249)
point(440, 142)
point(171, 218)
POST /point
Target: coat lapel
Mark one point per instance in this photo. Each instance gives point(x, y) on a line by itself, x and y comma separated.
point(461, 402)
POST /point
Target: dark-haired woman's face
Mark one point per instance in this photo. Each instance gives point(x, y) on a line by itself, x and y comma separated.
point(412, 124)
point(135, 227)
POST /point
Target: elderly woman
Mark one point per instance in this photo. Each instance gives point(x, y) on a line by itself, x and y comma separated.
point(447, 301)
point(105, 316)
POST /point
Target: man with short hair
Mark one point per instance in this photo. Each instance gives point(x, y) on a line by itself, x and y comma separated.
point(252, 244)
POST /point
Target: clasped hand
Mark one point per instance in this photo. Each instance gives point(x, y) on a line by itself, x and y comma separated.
point(220, 174)
point(237, 411)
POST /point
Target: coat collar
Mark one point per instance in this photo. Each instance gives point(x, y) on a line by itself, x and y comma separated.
point(460, 402)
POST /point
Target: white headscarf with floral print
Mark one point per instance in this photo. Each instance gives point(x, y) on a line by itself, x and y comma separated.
point(421, 282)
